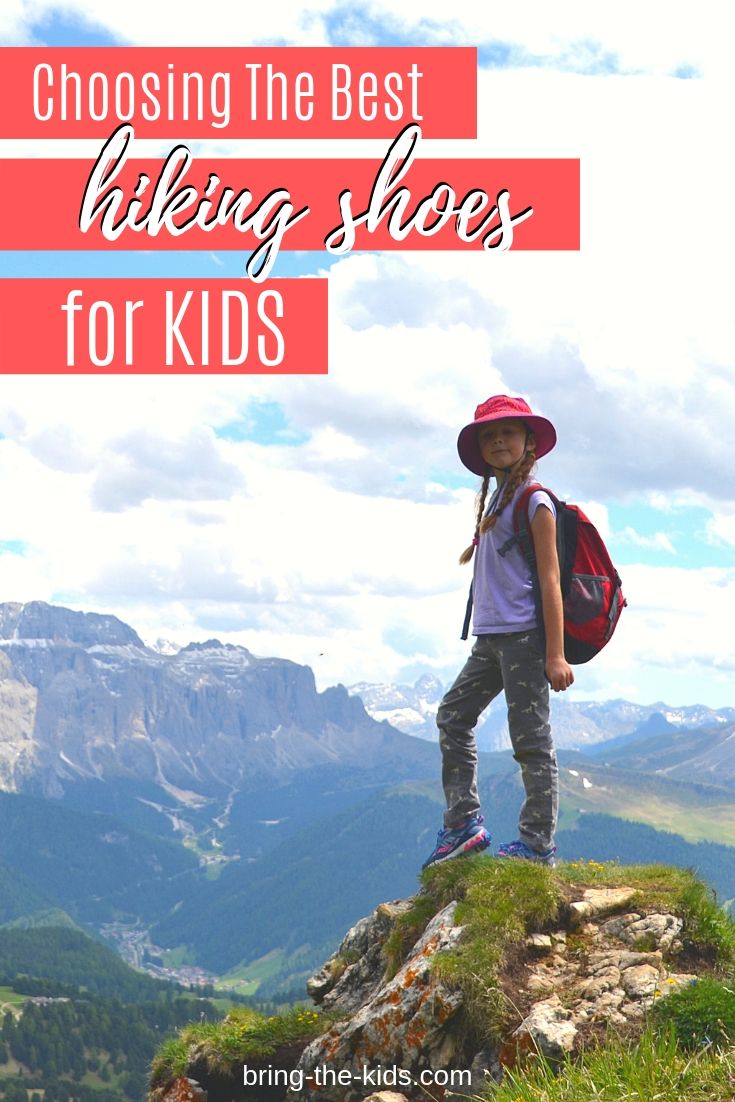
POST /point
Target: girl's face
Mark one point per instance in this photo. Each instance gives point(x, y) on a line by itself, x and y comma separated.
point(502, 443)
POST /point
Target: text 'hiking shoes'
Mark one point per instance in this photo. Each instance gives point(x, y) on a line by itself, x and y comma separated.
point(459, 841)
point(520, 849)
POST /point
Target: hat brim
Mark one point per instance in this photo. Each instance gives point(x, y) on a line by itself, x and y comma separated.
point(469, 449)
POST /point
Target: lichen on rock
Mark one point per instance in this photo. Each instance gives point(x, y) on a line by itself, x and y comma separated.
point(401, 1024)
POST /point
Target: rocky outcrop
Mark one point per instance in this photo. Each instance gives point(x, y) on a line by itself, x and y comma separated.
point(599, 901)
point(598, 981)
point(404, 1037)
point(355, 971)
point(403, 1023)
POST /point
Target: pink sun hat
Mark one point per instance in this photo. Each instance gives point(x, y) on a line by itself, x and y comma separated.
point(498, 408)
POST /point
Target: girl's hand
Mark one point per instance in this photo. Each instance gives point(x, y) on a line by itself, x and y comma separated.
point(559, 673)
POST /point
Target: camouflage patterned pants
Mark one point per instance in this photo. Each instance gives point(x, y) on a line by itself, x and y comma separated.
point(512, 662)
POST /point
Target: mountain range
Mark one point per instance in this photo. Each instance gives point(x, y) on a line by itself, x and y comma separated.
point(576, 726)
point(84, 701)
point(157, 794)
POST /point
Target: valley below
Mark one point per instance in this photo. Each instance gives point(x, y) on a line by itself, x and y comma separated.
point(219, 823)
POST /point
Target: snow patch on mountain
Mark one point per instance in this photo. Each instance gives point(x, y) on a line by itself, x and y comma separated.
point(576, 726)
point(165, 647)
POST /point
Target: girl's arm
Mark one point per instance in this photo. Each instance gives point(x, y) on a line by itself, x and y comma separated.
point(543, 530)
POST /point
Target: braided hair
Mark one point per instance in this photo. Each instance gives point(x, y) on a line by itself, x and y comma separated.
point(511, 484)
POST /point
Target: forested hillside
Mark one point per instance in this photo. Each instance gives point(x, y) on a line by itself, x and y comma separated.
point(70, 958)
point(88, 1048)
point(77, 1022)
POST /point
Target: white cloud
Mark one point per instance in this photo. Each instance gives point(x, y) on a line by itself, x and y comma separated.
point(167, 24)
point(656, 37)
point(341, 551)
point(678, 618)
point(659, 541)
point(673, 642)
point(598, 514)
point(140, 466)
point(721, 529)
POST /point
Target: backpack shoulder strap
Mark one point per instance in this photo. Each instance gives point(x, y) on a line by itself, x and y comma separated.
point(467, 616)
point(521, 528)
point(566, 533)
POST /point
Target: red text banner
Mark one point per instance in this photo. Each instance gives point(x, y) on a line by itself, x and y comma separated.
point(163, 326)
point(530, 204)
point(271, 92)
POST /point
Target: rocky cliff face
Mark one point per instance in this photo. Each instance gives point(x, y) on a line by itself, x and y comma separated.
point(40, 621)
point(600, 959)
point(82, 698)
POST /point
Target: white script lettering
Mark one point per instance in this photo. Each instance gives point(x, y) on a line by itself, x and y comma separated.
point(389, 203)
point(268, 221)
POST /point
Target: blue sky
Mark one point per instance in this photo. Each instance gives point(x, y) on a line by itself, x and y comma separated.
point(224, 264)
point(320, 519)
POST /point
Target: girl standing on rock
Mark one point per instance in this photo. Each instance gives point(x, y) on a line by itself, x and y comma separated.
point(512, 651)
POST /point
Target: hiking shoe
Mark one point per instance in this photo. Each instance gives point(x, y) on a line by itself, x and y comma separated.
point(456, 842)
point(520, 849)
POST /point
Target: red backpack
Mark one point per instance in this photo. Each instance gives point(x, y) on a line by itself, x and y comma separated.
point(591, 590)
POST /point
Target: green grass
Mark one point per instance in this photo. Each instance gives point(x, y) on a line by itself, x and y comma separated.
point(703, 1013)
point(222, 1003)
point(242, 1035)
point(500, 902)
point(245, 979)
point(708, 925)
point(653, 1068)
point(657, 885)
point(174, 958)
point(666, 888)
point(407, 929)
point(10, 998)
point(698, 813)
